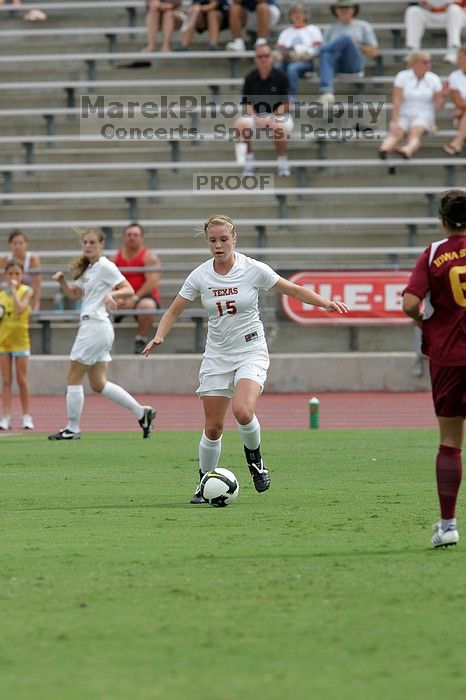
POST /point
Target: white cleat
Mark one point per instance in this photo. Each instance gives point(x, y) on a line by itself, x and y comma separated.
point(27, 423)
point(5, 423)
point(445, 538)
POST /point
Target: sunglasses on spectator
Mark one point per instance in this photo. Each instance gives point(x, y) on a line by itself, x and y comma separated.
point(263, 55)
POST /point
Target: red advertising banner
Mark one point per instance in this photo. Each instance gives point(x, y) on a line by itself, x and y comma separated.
point(369, 295)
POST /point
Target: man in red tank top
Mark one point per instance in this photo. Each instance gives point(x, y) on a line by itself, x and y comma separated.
point(435, 299)
point(146, 297)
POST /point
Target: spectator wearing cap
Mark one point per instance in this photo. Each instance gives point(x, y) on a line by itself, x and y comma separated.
point(417, 93)
point(347, 42)
point(297, 45)
point(436, 14)
point(257, 16)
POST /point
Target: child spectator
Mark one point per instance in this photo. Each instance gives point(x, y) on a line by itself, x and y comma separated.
point(15, 303)
point(18, 245)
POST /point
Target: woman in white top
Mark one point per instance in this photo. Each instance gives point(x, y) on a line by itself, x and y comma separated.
point(18, 244)
point(100, 285)
point(417, 93)
point(457, 87)
point(236, 358)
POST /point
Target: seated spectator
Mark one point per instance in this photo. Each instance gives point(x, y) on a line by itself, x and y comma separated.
point(265, 107)
point(257, 16)
point(297, 45)
point(145, 284)
point(346, 44)
point(165, 16)
point(436, 14)
point(18, 245)
point(212, 15)
point(457, 87)
point(417, 93)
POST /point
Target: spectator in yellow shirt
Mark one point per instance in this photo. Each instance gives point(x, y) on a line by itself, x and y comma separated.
point(15, 308)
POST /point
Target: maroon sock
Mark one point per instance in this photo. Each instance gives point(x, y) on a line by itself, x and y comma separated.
point(449, 469)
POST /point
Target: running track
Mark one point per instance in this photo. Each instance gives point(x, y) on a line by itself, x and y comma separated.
point(337, 410)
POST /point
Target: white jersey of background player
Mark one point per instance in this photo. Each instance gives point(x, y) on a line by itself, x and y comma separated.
point(236, 359)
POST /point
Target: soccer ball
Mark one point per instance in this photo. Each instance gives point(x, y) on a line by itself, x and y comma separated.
point(219, 487)
point(2, 312)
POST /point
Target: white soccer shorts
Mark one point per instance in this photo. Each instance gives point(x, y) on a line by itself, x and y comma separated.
point(93, 342)
point(218, 377)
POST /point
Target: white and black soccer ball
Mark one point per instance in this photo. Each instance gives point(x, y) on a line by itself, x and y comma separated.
point(219, 487)
point(2, 311)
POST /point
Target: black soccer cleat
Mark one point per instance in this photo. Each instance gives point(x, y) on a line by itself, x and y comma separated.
point(258, 470)
point(146, 421)
point(198, 499)
point(260, 476)
point(65, 434)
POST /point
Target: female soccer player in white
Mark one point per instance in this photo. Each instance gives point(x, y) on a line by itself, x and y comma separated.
point(100, 284)
point(236, 358)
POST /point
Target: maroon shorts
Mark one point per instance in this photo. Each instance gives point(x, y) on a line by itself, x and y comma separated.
point(449, 390)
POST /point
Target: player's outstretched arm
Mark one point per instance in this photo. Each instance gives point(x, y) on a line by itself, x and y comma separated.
point(309, 297)
point(166, 323)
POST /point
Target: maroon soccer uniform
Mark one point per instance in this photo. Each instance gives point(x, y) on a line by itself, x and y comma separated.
point(439, 278)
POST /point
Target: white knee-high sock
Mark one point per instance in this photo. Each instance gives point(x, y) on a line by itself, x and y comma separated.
point(251, 434)
point(209, 453)
point(116, 393)
point(74, 406)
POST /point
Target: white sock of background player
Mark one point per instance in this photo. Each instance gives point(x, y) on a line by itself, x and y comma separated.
point(118, 395)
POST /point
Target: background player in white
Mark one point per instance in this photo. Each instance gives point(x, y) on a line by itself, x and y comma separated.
point(236, 358)
point(100, 284)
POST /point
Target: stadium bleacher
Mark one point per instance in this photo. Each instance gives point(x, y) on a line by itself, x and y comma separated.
point(53, 177)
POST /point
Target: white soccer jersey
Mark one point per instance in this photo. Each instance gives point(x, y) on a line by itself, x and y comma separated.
point(231, 303)
point(96, 282)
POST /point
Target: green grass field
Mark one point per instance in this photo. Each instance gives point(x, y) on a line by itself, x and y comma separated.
point(114, 587)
